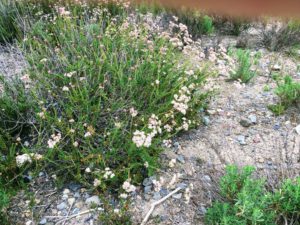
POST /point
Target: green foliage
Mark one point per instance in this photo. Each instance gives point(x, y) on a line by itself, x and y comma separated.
point(9, 20)
point(197, 22)
point(91, 73)
point(243, 71)
point(288, 91)
point(247, 201)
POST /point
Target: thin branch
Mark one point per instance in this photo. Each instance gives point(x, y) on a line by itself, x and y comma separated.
point(154, 204)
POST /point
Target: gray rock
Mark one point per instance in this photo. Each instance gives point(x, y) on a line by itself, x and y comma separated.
point(252, 118)
point(74, 187)
point(62, 206)
point(245, 122)
point(163, 192)
point(77, 195)
point(43, 221)
point(177, 196)
point(202, 210)
point(276, 126)
point(94, 200)
point(241, 139)
point(206, 120)
point(181, 185)
point(298, 129)
point(147, 189)
point(147, 182)
point(206, 178)
point(180, 158)
point(156, 196)
point(75, 211)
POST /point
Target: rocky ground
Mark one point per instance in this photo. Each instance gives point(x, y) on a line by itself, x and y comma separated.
point(239, 129)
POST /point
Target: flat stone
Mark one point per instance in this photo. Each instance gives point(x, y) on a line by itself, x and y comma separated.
point(62, 206)
point(66, 191)
point(147, 182)
point(43, 221)
point(71, 201)
point(298, 129)
point(74, 187)
point(241, 139)
point(206, 120)
point(163, 192)
point(180, 158)
point(181, 185)
point(177, 196)
point(94, 200)
point(252, 118)
point(156, 196)
point(147, 189)
point(245, 122)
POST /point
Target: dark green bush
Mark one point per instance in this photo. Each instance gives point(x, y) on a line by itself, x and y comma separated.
point(245, 200)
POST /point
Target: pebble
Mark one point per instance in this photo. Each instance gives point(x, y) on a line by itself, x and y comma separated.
point(77, 195)
point(43, 221)
point(298, 129)
point(177, 196)
point(245, 122)
point(276, 67)
point(66, 192)
point(74, 187)
point(241, 140)
point(182, 185)
point(206, 120)
point(163, 192)
point(180, 158)
point(65, 197)
point(202, 210)
point(94, 200)
point(206, 178)
point(156, 196)
point(276, 126)
point(147, 189)
point(61, 206)
point(71, 201)
point(147, 182)
point(252, 118)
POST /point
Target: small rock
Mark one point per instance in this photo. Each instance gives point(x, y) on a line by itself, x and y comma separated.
point(181, 185)
point(276, 67)
point(65, 197)
point(71, 201)
point(245, 122)
point(147, 189)
point(156, 196)
point(206, 178)
point(61, 206)
point(206, 120)
point(276, 126)
point(177, 196)
point(94, 200)
point(241, 140)
point(163, 192)
point(66, 192)
point(202, 210)
point(77, 195)
point(147, 182)
point(180, 158)
point(41, 174)
point(252, 118)
point(43, 221)
point(298, 129)
point(75, 211)
point(74, 187)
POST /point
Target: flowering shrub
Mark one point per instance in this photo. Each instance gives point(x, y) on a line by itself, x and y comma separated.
point(106, 95)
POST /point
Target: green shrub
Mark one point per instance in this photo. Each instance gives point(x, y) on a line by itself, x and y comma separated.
point(197, 22)
point(9, 24)
point(243, 71)
point(247, 201)
point(288, 91)
point(104, 95)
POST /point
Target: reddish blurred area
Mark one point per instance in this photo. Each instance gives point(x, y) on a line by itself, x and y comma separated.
point(246, 8)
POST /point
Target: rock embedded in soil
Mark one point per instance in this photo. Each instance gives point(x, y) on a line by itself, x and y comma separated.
point(94, 200)
point(245, 122)
point(62, 206)
point(241, 140)
point(43, 221)
point(252, 118)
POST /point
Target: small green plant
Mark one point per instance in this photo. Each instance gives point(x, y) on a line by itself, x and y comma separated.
point(247, 201)
point(243, 71)
point(288, 91)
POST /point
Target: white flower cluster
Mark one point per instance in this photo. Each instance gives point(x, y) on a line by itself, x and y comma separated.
point(22, 159)
point(128, 187)
point(133, 112)
point(54, 140)
point(167, 143)
point(141, 139)
point(180, 102)
point(108, 174)
point(97, 182)
point(154, 123)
